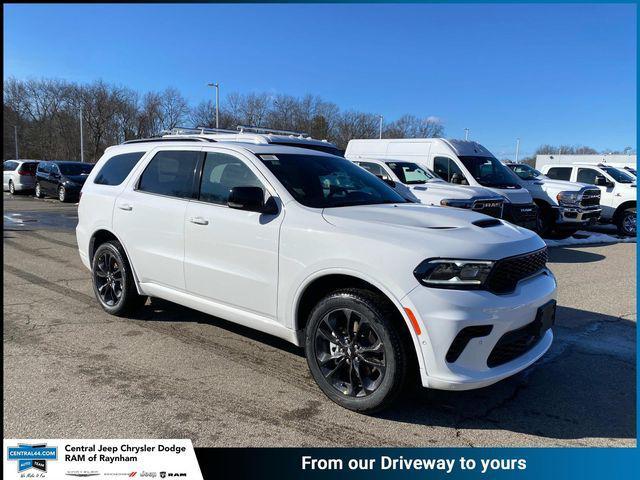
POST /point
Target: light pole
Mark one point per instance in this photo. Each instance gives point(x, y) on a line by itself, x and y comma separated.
point(15, 137)
point(381, 117)
point(517, 148)
point(217, 87)
point(81, 138)
point(466, 134)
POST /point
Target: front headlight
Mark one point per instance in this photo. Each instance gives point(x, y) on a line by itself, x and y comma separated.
point(568, 198)
point(449, 273)
point(454, 202)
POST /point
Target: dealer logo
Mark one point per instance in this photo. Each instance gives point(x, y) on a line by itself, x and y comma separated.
point(32, 456)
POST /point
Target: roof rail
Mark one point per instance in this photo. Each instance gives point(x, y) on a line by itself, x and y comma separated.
point(245, 128)
point(164, 139)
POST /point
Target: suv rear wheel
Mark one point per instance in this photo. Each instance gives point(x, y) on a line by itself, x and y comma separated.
point(355, 350)
point(12, 188)
point(113, 282)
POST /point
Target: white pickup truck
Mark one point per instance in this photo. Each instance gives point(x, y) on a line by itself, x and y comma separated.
point(617, 187)
point(564, 207)
point(419, 184)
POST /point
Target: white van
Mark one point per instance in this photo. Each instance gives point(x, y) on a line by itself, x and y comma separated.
point(460, 162)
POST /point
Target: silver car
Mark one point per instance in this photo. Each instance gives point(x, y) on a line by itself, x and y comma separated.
point(19, 175)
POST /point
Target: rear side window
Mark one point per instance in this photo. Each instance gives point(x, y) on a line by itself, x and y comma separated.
point(170, 173)
point(116, 169)
point(28, 167)
point(374, 168)
point(559, 173)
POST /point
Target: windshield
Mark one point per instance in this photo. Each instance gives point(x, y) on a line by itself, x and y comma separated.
point(75, 168)
point(525, 172)
point(490, 172)
point(324, 182)
point(410, 173)
point(618, 175)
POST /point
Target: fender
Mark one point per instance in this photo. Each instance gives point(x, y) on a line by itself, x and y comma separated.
point(136, 281)
point(356, 274)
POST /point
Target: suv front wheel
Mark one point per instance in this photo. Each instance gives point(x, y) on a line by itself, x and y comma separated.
point(113, 282)
point(355, 350)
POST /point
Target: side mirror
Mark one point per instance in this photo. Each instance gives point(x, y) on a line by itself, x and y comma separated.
point(251, 199)
point(601, 181)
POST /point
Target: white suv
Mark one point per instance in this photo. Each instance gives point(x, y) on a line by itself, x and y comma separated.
point(309, 247)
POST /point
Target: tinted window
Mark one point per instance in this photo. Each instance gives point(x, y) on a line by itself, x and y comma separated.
point(619, 175)
point(587, 175)
point(117, 168)
point(28, 167)
point(525, 172)
point(10, 166)
point(220, 174)
point(328, 181)
point(75, 168)
point(170, 173)
point(44, 167)
point(445, 168)
point(489, 171)
point(559, 173)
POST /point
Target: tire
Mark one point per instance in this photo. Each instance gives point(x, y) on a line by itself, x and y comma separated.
point(545, 221)
point(12, 188)
point(113, 282)
point(38, 192)
point(62, 194)
point(627, 223)
point(362, 371)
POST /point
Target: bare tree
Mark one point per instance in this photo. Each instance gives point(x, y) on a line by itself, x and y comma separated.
point(174, 109)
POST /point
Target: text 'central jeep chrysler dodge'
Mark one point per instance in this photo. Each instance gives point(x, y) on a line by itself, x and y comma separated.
point(309, 247)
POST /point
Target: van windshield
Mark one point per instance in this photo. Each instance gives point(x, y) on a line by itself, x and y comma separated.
point(490, 172)
point(410, 173)
point(328, 181)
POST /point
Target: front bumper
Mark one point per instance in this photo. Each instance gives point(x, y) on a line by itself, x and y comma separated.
point(444, 313)
point(574, 216)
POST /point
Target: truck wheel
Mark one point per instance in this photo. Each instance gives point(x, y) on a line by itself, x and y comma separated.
point(627, 223)
point(355, 350)
point(113, 282)
point(545, 222)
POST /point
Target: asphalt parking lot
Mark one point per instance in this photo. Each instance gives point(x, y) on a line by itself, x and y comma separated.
point(71, 370)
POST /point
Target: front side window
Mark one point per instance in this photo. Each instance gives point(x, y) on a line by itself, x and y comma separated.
point(74, 168)
point(328, 181)
point(117, 168)
point(446, 168)
point(220, 174)
point(489, 171)
point(170, 173)
point(587, 175)
point(410, 173)
point(374, 168)
point(525, 172)
point(44, 167)
point(559, 173)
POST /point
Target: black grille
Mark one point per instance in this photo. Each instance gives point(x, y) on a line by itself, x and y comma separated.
point(508, 272)
point(590, 198)
point(493, 208)
point(515, 343)
point(523, 215)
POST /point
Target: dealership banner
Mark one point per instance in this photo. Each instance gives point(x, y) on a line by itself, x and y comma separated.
point(125, 458)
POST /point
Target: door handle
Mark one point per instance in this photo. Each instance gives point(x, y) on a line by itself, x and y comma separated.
point(199, 220)
point(125, 206)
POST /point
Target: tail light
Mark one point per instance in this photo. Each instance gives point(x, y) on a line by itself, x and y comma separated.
point(26, 172)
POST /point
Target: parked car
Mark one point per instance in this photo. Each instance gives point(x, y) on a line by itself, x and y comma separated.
point(310, 248)
point(61, 179)
point(459, 162)
point(563, 207)
point(422, 185)
point(19, 175)
point(617, 187)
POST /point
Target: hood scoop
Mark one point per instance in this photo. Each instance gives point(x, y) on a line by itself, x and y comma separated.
point(489, 222)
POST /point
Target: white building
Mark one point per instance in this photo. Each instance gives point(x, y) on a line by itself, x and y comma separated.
point(615, 160)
